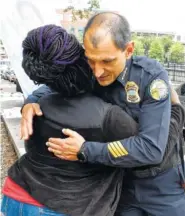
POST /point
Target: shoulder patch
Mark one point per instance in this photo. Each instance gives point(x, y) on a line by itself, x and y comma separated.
point(159, 89)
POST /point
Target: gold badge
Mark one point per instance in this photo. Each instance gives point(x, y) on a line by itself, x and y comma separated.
point(159, 90)
point(132, 92)
point(116, 149)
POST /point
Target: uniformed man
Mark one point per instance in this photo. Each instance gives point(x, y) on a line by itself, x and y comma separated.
point(141, 87)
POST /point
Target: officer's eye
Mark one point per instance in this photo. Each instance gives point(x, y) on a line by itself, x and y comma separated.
point(108, 61)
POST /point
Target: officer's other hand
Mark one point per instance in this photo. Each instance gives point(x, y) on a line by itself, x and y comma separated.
point(67, 148)
point(28, 112)
point(174, 96)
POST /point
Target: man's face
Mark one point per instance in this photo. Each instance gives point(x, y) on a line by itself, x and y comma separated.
point(105, 59)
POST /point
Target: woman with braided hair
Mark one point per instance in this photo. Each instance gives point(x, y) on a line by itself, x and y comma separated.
point(53, 57)
point(39, 183)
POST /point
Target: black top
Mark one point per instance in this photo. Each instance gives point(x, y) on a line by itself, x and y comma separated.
point(69, 187)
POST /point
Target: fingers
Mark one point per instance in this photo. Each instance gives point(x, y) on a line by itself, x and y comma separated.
point(63, 143)
point(57, 141)
point(69, 132)
point(24, 132)
point(61, 147)
point(61, 153)
point(174, 96)
point(55, 151)
point(26, 125)
point(54, 147)
point(28, 112)
point(67, 148)
point(29, 121)
point(37, 109)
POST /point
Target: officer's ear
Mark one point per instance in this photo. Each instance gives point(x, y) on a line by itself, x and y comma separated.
point(129, 49)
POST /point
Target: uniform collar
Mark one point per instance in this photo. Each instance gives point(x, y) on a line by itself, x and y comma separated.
point(123, 77)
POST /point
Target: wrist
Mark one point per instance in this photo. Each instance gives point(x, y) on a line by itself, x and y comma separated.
point(81, 155)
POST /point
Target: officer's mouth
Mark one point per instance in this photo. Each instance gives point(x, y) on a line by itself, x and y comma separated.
point(103, 78)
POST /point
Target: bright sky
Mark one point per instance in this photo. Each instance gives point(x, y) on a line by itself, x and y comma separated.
point(159, 15)
point(156, 15)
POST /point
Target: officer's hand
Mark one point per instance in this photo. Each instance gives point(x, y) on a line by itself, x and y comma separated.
point(67, 148)
point(28, 112)
point(174, 96)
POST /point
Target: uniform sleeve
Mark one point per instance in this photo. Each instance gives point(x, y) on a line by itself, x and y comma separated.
point(37, 94)
point(118, 124)
point(149, 145)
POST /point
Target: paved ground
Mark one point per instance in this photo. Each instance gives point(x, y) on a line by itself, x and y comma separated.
point(8, 95)
point(7, 152)
point(7, 86)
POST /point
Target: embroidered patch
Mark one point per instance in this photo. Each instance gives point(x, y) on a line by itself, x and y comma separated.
point(159, 90)
point(117, 149)
point(132, 89)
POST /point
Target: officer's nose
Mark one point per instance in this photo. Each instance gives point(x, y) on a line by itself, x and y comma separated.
point(98, 70)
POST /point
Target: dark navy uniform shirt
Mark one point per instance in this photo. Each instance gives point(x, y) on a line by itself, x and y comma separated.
point(142, 89)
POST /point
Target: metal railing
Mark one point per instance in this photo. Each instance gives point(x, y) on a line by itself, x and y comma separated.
point(176, 72)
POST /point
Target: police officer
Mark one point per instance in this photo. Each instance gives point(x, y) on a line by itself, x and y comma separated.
point(141, 87)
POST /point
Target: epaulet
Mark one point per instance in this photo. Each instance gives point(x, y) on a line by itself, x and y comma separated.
point(149, 65)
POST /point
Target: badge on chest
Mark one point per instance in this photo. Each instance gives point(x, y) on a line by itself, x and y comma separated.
point(132, 93)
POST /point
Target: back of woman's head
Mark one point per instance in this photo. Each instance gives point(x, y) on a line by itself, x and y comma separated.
point(53, 57)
